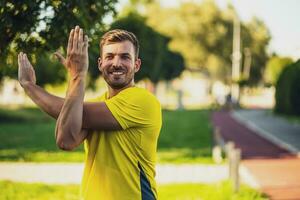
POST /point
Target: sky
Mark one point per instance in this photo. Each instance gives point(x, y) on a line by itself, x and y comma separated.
point(282, 17)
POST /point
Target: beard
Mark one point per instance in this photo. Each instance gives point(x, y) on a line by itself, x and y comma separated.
point(118, 84)
point(118, 77)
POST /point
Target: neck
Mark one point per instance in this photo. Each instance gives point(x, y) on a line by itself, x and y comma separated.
point(113, 92)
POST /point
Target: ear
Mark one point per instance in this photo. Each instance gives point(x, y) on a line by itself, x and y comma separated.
point(99, 64)
point(137, 65)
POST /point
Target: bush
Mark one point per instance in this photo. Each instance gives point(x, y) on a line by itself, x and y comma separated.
point(287, 94)
point(274, 67)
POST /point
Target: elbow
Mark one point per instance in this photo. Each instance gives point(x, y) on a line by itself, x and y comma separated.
point(62, 145)
point(65, 144)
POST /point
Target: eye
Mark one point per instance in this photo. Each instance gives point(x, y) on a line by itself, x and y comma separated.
point(108, 57)
point(126, 57)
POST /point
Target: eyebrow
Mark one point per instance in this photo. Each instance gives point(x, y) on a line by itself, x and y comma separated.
point(121, 54)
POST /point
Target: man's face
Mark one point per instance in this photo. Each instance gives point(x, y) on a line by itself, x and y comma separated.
point(118, 64)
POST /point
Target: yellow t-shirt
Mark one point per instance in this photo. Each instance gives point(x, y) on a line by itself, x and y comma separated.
point(120, 165)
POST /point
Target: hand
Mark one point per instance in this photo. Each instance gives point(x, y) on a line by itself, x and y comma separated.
point(26, 73)
point(77, 53)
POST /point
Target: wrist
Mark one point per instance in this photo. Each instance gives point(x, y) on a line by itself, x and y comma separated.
point(78, 75)
point(26, 85)
point(76, 86)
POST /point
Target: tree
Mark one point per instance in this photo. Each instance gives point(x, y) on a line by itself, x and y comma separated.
point(274, 67)
point(203, 33)
point(158, 62)
point(18, 20)
point(199, 32)
point(256, 38)
point(41, 27)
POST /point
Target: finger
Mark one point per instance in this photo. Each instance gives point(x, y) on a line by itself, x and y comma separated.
point(30, 70)
point(23, 60)
point(28, 64)
point(59, 57)
point(80, 39)
point(20, 65)
point(26, 61)
point(75, 39)
point(70, 42)
point(19, 60)
point(85, 43)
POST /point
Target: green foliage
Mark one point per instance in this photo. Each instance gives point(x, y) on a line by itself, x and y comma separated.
point(185, 137)
point(41, 27)
point(203, 34)
point(219, 191)
point(18, 20)
point(274, 67)
point(158, 62)
point(287, 94)
point(255, 36)
point(55, 73)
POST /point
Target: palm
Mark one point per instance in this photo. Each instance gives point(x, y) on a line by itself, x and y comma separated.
point(76, 61)
point(26, 72)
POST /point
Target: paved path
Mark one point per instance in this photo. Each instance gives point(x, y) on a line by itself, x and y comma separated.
point(279, 178)
point(274, 128)
point(273, 165)
point(70, 173)
point(251, 144)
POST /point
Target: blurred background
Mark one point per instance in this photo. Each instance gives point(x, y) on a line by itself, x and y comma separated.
point(225, 71)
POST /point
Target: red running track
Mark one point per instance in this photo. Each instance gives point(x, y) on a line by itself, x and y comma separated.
point(275, 170)
point(251, 144)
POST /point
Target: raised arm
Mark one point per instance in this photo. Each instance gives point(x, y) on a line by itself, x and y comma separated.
point(47, 102)
point(96, 116)
point(75, 118)
point(69, 123)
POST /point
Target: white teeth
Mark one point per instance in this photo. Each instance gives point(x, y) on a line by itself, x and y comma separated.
point(117, 73)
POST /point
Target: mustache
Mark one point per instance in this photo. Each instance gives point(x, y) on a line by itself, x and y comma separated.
point(117, 69)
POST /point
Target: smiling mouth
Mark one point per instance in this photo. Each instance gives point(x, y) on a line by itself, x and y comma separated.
point(117, 72)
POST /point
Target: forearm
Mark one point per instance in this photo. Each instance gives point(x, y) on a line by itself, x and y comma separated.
point(47, 102)
point(69, 123)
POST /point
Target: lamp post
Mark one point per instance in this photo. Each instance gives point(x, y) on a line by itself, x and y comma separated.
point(236, 58)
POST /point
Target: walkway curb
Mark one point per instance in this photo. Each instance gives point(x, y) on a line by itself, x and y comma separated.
point(248, 177)
point(265, 134)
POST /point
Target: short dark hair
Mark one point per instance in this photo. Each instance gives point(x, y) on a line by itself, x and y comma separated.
point(119, 35)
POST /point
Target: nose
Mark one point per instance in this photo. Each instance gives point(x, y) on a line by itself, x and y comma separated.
point(116, 61)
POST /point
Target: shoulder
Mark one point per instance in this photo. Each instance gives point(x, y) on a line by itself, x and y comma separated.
point(138, 95)
point(134, 107)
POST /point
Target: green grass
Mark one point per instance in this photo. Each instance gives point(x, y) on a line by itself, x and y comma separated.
point(27, 134)
point(185, 137)
point(24, 191)
point(221, 191)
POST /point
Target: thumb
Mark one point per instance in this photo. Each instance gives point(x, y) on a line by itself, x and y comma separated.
point(60, 57)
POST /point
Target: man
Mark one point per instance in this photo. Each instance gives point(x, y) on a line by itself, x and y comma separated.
point(120, 131)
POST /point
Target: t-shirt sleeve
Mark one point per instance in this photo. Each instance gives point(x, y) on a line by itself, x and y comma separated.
point(134, 109)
